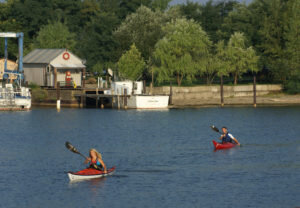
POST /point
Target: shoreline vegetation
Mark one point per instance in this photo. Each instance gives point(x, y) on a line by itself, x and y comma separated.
point(158, 42)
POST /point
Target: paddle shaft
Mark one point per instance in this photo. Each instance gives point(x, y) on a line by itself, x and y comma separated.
point(70, 147)
point(82, 155)
point(215, 129)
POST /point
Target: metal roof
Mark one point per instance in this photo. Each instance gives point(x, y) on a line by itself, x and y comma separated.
point(42, 56)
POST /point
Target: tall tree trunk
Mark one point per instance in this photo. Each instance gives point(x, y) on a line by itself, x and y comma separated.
point(235, 78)
point(181, 78)
point(178, 80)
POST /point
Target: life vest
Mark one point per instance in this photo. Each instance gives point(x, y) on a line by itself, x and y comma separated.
point(227, 138)
point(96, 165)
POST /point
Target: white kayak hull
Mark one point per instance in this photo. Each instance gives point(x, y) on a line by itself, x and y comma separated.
point(74, 176)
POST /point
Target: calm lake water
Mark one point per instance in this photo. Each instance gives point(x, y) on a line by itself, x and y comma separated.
point(162, 158)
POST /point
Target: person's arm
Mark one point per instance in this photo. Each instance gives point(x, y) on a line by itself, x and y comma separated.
point(221, 137)
point(103, 165)
point(236, 141)
point(88, 159)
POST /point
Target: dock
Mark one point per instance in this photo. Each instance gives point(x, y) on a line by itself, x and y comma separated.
point(100, 99)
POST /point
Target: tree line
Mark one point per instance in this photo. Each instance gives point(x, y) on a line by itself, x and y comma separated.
point(149, 39)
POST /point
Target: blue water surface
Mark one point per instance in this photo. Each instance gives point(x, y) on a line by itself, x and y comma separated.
point(162, 158)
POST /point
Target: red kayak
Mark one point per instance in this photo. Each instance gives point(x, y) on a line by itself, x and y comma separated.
point(89, 173)
point(219, 146)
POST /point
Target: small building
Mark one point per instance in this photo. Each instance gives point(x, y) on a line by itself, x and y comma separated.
point(46, 67)
point(11, 66)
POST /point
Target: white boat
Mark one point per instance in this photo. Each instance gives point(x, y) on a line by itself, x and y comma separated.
point(136, 99)
point(14, 98)
point(148, 101)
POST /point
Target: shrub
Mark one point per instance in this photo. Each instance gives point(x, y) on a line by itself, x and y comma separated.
point(33, 85)
point(39, 94)
point(91, 80)
point(292, 86)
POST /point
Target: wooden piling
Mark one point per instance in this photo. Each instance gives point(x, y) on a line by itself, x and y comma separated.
point(83, 77)
point(55, 78)
point(125, 98)
point(82, 99)
point(58, 96)
point(171, 93)
point(222, 91)
point(144, 87)
point(106, 82)
point(254, 91)
point(101, 103)
point(97, 98)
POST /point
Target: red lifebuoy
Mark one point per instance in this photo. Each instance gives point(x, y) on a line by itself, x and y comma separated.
point(66, 55)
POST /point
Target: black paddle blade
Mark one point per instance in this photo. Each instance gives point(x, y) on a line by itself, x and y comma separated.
point(71, 148)
point(214, 128)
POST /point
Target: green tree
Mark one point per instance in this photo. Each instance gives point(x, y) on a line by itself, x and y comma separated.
point(55, 35)
point(272, 40)
point(143, 28)
point(181, 52)
point(240, 59)
point(96, 42)
point(221, 62)
point(89, 10)
point(160, 4)
point(292, 37)
point(127, 7)
point(292, 49)
point(131, 64)
point(240, 19)
point(210, 16)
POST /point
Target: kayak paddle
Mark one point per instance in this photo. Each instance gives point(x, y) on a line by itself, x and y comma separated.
point(215, 129)
point(73, 149)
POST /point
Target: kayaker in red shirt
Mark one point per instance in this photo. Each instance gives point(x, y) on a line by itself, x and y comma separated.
point(96, 161)
point(227, 137)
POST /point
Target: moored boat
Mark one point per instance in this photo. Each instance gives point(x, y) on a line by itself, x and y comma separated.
point(137, 98)
point(219, 146)
point(14, 98)
point(89, 173)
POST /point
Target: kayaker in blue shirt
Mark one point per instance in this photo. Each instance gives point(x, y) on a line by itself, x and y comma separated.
point(227, 137)
point(96, 161)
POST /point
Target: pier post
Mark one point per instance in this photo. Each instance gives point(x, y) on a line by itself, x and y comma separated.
point(222, 91)
point(97, 96)
point(83, 77)
point(125, 98)
point(101, 103)
point(254, 91)
point(144, 87)
point(55, 77)
point(118, 102)
point(82, 99)
point(106, 82)
point(113, 99)
point(171, 93)
point(58, 96)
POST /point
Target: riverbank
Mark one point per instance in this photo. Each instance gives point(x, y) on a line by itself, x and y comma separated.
point(184, 97)
point(273, 99)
